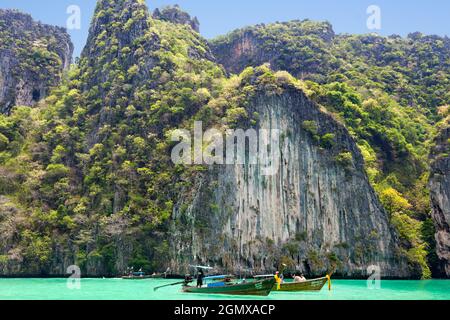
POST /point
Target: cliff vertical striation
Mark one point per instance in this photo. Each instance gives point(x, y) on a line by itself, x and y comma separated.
point(440, 194)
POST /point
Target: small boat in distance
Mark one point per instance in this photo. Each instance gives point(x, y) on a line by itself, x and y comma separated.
point(224, 285)
point(137, 276)
point(140, 275)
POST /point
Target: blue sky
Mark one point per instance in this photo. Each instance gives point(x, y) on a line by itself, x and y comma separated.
point(219, 17)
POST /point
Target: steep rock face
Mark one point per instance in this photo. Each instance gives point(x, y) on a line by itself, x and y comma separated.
point(314, 212)
point(329, 63)
point(440, 195)
point(118, 29)
point(240, 53)
point(254, 46)
point(32, 58)
point(312, 51)
point(174, 14)
point(137, 77)
point(109, 185)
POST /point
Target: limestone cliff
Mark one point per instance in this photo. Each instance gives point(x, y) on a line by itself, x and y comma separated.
point(356, 66)
point(316, 211)
point(174, 14)
point(256, 45)
point(96, 186)
point(440, 195)
point(137, 78)
point(32, 58)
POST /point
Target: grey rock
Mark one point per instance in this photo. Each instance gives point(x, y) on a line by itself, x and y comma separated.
point(253, 46)
point(311, 210)
point(440, 195)
point(174, 14)
point(33, 57)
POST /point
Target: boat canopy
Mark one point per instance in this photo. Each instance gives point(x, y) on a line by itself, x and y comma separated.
point(264, 276)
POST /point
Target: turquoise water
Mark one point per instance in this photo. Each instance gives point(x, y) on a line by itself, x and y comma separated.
point(118, 289)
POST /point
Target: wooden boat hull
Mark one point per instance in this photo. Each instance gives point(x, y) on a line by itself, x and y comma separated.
point(310, 285)
point(255, 288)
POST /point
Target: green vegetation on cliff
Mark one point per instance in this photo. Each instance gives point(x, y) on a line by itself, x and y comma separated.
point(32, 58)
point(90, 166)
point(386, 90)
point(86, 176)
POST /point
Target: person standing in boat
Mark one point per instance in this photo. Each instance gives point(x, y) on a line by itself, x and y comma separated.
point(278, 280)
point(200, 276)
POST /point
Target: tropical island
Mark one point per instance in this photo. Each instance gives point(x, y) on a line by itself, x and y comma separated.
point(86, 176)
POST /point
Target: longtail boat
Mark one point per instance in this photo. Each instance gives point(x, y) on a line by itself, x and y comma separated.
point(308, 285)
point(251, 288)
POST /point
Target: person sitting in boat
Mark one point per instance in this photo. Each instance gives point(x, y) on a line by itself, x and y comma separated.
point(299, 278)
point(140, 273)
point(200, 277)
point(187, 279)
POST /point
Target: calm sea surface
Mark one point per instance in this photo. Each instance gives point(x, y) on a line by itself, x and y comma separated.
point(118, 289)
